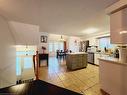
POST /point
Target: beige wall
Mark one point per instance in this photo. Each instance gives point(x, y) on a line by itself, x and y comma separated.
point(24, 34)
point(43, 44)
point(71, 44)
point(55, 37)
point(74, 44)
point(51, 38)
point(7, 55)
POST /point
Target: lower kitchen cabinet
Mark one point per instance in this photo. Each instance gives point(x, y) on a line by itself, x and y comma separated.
point(96, 56)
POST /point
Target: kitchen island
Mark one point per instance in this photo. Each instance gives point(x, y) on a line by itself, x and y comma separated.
point(76, 60)
point(113, 75)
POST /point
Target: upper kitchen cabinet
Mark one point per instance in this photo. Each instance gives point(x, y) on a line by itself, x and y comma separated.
point(118, 27)
point(118, 22)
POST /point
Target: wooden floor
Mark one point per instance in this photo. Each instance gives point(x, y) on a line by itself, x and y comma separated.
point(84, 81)
point(36, 87)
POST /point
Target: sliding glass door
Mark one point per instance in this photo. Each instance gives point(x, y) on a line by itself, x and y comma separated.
point(54, 46)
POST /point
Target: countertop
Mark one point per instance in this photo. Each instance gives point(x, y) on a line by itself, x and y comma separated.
point(73, 53)
point(112, 60)
point(102, 53)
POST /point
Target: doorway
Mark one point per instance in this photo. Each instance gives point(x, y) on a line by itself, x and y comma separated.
point(24, 62)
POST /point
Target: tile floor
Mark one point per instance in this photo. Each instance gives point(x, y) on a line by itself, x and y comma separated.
point(85, 81)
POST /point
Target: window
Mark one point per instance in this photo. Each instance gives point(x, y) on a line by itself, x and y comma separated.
point(54, 46)
point(61, 46)
point(105, 42)
point(50, 47)
point(28, 62)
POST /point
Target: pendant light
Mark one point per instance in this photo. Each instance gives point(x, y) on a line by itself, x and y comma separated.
point(61, 39)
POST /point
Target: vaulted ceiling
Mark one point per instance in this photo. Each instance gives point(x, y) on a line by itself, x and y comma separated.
point(69, 17)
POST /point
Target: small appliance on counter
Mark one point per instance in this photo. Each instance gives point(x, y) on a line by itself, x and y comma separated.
point(123, 54)
point(89, 49)
point(92, 49)
point(116, 53)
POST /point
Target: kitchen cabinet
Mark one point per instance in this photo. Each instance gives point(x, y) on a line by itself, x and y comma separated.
point(96, 56)
point(99, 55)
point(113, 76)
point(118, 27)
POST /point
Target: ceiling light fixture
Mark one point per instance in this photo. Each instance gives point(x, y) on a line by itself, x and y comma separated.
point(90, 30)
point(61, 38)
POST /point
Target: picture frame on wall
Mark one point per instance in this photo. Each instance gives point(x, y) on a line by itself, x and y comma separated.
point(43, 39)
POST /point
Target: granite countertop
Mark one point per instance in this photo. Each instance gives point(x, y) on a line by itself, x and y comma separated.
point(102, 53)
point(77, 53)
point(113, 60)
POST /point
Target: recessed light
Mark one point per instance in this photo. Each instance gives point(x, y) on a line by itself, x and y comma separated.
point(90, 30)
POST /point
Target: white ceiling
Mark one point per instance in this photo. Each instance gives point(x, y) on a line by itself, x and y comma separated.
point(69, 17)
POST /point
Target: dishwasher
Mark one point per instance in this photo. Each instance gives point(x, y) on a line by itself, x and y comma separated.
point(90, 57)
